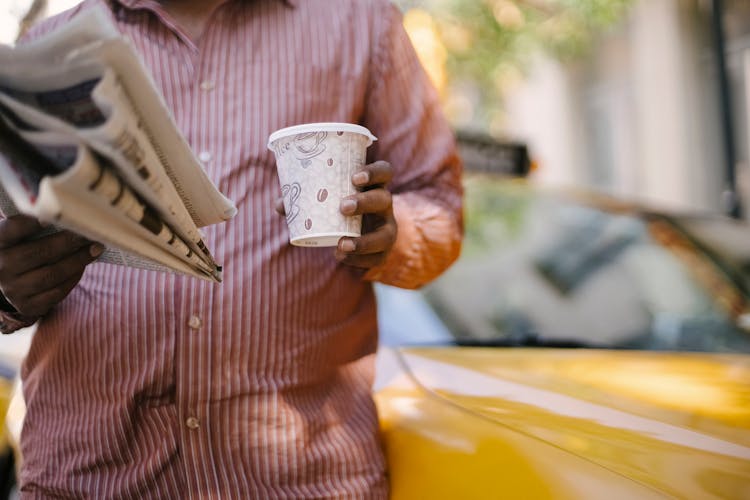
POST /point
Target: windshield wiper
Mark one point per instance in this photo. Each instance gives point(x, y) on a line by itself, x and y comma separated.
point(559, 343)
point(529, 340)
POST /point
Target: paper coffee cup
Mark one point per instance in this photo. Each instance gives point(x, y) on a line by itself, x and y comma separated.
point(315, 163)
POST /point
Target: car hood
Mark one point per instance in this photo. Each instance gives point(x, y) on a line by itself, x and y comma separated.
point(658, 418)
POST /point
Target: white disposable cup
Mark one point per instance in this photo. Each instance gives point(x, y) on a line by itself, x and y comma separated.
point(315, 163)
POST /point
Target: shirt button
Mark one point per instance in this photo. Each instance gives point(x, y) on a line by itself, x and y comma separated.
point(192, 423)
point(195, 322)
point(204, 156)
point(207, 85)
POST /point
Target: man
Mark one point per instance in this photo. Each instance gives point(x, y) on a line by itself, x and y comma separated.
point(150, 385)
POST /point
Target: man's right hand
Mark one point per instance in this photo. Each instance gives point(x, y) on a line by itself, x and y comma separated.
point(38, 273)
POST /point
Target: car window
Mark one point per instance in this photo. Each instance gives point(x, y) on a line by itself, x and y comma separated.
point(538, 264)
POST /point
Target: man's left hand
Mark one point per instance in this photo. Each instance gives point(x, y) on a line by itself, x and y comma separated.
point(379, 227)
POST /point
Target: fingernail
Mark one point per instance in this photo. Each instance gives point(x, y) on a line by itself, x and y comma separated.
point(346, 245)
point(360, 178)
point(348, 206)
point(96, 249)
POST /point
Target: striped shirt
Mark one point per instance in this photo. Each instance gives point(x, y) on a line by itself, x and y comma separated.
point(151, 385)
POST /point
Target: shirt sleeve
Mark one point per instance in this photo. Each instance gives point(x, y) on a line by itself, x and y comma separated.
point(403, 111)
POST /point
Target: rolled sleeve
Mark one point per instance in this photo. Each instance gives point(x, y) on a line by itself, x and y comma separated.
point(413, 135)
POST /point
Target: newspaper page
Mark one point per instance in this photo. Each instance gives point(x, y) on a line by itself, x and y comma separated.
point(58, 182)
point(28, 119)
point(87, 84)
point(104, 44)
point(96, 111)
point(110, 255)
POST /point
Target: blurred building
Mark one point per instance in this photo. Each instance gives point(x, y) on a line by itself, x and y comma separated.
point(737, 23)
point(640, 116)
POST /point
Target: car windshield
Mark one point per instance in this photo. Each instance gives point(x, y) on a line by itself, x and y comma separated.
point(539, 269)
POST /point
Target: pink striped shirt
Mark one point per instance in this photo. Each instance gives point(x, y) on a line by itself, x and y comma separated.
point(150, 385)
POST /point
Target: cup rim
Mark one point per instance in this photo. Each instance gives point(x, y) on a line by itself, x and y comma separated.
point(321, 127)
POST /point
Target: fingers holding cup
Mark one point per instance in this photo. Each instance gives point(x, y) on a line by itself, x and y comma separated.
point(372, 175)
point(379, 228)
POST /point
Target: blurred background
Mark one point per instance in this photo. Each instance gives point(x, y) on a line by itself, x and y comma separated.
point(646, 99)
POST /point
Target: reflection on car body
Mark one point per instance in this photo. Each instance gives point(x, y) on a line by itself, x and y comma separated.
point(653, 403)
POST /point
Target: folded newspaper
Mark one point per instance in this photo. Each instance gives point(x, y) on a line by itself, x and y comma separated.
point(88, 144)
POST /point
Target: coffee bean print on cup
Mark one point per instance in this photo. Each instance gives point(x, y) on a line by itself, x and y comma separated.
point(308, 224)
point(322, 195)
point(330, 162)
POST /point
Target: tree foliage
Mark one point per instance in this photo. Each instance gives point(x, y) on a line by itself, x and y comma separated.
point(489, 43)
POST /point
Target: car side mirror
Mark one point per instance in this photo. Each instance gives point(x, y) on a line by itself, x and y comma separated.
point(482, 153)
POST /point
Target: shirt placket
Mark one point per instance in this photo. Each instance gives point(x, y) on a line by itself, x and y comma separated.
point(193, 384)
point(196, 341)
point(192, 297)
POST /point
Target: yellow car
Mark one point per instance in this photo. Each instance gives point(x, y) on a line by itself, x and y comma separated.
point(580, 348)
point(9, 365)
